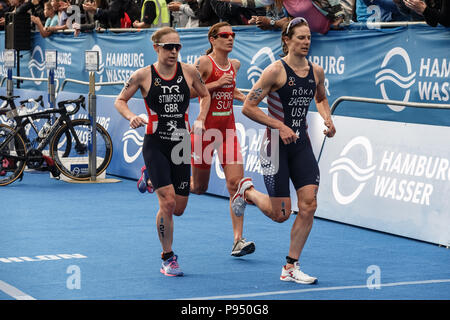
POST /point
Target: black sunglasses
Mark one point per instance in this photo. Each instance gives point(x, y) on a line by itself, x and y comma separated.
point(170, 46)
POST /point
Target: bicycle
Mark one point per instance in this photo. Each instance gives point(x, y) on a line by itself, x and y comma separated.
point(68, 141)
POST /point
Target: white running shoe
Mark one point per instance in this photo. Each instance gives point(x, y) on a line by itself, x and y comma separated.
point(238, 202)
point(294, 274)
point(242, 248)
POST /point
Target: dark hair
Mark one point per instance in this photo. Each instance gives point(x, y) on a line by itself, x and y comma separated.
point(288, 31)
point(213, 31)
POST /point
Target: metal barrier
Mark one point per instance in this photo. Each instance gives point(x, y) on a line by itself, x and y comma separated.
point(370, 25)
point(29, 79)
point(381, 101)
point(86, 83)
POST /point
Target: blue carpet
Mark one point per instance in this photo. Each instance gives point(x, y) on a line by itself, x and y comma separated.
point(113, 227)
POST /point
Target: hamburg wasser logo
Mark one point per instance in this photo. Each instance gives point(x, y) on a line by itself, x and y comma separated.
point(399, 59)
point(37, 64)
point(135, 147)
point(360, 175)
point(254, 72)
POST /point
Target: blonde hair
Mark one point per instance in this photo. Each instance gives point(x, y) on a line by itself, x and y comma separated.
point(158, 34)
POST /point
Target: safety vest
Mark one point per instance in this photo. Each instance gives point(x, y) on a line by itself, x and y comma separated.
point(162, 13)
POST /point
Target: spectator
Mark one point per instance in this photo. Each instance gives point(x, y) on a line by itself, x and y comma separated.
point(38, 9)
point(349, 10)
point(52, 20)
point(235, 15)
point(3, 9)
point(320, 19)
point(15, 6)
point(89, 22)
point(110, 16)
point(434, 11)
point(154, 14)
point(187, 17)
point(274, 18)
point(205, 13)
point(60, 7)
point(377, 11)
point(407, 13)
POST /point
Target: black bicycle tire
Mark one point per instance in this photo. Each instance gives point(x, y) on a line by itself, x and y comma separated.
point(54, 150)
point(20, 169)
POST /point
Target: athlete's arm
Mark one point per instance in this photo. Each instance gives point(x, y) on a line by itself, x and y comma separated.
point(204, 66)
point(205, 99)
point(322, 102)
point(128, 91)
point(237, 94)
point(268, 82)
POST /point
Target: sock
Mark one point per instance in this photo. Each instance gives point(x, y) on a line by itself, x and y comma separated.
point(167, 255)
point(291, 260)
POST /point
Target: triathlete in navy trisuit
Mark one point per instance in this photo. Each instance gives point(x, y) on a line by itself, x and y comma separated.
point(290, 84)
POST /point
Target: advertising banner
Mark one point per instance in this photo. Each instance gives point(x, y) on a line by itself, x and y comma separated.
point(389, 177)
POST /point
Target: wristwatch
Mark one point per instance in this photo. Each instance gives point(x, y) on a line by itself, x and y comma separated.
point(272, 22)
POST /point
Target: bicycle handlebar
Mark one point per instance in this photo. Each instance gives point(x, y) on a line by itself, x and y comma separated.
point(38, 100)
point(77, 102)
point(9, 98)
point(36, 103)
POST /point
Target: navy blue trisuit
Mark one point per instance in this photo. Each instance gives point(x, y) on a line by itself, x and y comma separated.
point(295, 161)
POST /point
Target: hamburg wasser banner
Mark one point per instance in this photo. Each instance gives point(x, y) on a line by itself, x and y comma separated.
point(389, 177)
point(406, 63)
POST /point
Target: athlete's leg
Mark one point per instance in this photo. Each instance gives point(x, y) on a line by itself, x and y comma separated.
point(276, 208)
point(181, 203)
point(233, 174)
point(164, 218)
point(199, 179)
point(307, 204)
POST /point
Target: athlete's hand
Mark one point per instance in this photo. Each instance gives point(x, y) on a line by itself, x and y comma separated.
point(226, 79)
point(331, 131)
point(287, 135)
point(198, 127)
point(137, 122)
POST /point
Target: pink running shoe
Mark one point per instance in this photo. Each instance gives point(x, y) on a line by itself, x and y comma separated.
point(144, 183)
point(171, 268)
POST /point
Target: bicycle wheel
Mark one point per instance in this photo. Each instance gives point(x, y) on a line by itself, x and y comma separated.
point(12, 156)
point(73, 162)
point(35, 135)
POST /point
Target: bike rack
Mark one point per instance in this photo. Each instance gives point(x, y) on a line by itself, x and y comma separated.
point(381, 101)
point(92, 113)
point(29, 79)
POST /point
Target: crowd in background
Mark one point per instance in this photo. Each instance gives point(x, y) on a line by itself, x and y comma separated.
point(48, 16)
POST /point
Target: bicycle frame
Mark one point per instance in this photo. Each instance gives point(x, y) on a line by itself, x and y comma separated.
point(19, 128)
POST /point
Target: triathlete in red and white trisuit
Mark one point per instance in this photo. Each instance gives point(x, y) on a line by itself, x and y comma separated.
point(219, 74)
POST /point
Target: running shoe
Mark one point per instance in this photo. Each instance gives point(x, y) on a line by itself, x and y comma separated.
point(242, 248)
point(144, 183)
point(294, 274)
point(171, 268)
point(238, 202)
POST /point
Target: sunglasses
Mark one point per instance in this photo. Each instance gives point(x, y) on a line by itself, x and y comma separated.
point(170, 46)
point(225, 35)
point(295, 22)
